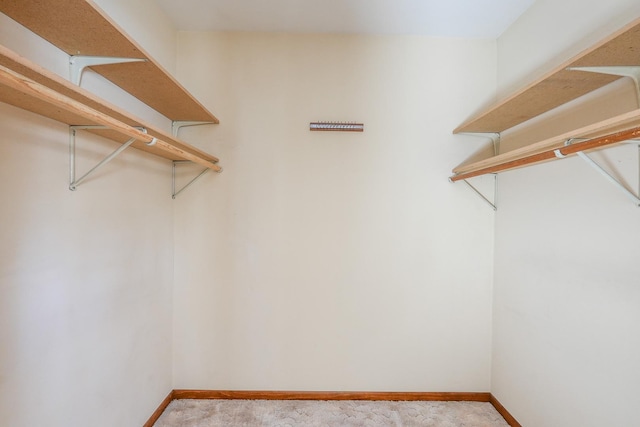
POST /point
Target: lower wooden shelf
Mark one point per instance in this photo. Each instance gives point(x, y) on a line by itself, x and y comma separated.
point(31, 87)
point(611, 131)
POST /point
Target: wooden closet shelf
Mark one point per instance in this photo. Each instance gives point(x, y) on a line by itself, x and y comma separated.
point(622, 124)
point(561, 85)
point(79, 27)
point(31, 87)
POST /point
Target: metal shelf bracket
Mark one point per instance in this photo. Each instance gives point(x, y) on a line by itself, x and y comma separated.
point(177, 124)
point(493, 203)
point(623, 71)
point(174, 192)
point(73, 181)
point(77, 64)
point(495, 140)
point(607, 175)
point(493, 136)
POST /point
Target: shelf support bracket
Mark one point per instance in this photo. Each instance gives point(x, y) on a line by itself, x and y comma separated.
point(175, 193)
point(177, 124)
point(623, 71)
point(607, 175)
point(495, 140)
point(493, 136)
point(77, 64)
point(493, 204)
point(73, 182)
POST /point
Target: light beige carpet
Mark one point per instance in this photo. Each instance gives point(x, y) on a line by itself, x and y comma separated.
point(295, 413)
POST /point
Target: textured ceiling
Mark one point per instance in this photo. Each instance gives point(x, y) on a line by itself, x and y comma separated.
point(447, 18)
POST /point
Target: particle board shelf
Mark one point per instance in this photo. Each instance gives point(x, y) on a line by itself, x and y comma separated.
point(560, 85)
point(613, 58)
point(79, 27)
point(31, 87)
point(517, 158)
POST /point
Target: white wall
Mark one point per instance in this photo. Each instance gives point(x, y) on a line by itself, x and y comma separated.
point(85, 276)
point(333, 261)
point(566, 297)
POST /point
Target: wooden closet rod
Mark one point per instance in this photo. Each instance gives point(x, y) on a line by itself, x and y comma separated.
point(567, 150)
point(27, 86)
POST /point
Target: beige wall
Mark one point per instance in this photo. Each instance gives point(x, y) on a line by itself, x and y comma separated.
point(85, 276)
point(333, 261)
point(318, 261)
point(566, 295)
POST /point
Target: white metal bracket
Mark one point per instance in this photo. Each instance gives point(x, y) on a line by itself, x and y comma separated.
point(623, 71)
point(493, 136)
point(495, 139)
point(607, 175)
point(177, 124)
point(77, 64)
point(175, 193)
point(73, 182)
point(485, 198)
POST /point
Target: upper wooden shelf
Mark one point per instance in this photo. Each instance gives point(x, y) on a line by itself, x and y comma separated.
point(561, 85)
point(31, 87)
point(79, 27)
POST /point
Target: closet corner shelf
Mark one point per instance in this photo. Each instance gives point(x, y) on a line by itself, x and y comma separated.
point(565, 83)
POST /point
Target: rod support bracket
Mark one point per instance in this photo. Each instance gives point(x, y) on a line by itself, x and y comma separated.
point(492, 204)
point(73, 181)
point(609, 177)
point(559, 154)
point(175, 163)
point(495, 141)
